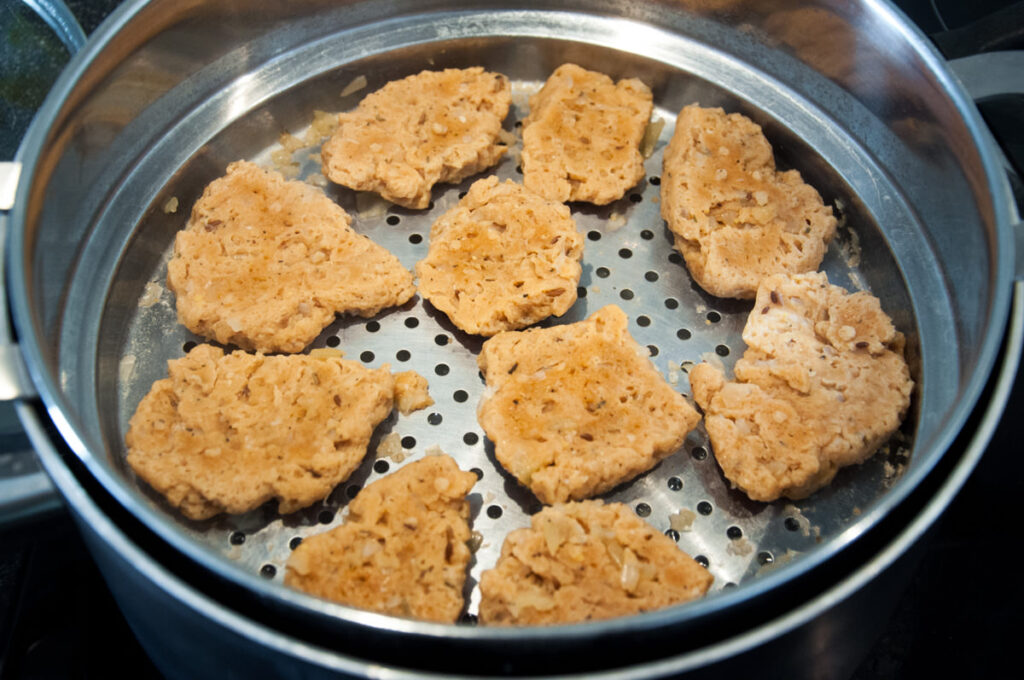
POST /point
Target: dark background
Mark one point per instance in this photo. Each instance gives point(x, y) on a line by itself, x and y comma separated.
point(959, 616)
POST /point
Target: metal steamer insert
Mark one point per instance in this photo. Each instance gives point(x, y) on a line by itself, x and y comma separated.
point(628, 261)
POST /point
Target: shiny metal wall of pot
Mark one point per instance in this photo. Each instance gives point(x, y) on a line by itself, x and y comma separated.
point(167, 93)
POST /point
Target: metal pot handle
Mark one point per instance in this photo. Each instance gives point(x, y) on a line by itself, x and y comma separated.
point(25, 490)
point(992, 74)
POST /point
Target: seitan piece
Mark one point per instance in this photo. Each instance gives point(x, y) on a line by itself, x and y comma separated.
point(227, 433)
point(578, 409)
point(411, 392)
point(433, 127)
point(402, 549)
point(821, 385)
point(266, 264)
point(502, 259)
point(735, 218)
point(586, 561)
point(581, 141)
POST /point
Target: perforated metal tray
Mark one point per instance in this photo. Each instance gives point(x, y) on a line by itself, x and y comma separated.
point(628, 261)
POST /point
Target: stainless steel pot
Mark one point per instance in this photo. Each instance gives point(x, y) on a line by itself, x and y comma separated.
point(166, 94)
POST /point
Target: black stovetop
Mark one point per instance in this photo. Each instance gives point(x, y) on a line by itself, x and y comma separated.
point(957, 618)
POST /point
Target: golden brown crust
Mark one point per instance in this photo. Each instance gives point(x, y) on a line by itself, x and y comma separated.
point(821, 385)
point(266, 264)
point(227, 433)
point(586, 561)
point(502, 259)
point(735, 218)
point(402, 549)
point(413, 133)
point(577, 409)
point(581, 140)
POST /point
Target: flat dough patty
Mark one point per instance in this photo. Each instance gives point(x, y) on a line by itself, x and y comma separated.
point(402, 549)
point(265, 264)
point(581, 141)
point(433, 127)
point(578, 409)
point(821, 385)
point(227, 433)
point(735, 218)
point(583, 562)
point(502, 259)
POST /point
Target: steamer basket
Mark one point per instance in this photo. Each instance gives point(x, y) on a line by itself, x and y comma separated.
point(167, 94)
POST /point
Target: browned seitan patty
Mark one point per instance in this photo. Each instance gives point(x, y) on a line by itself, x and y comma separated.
point(821, 385)
point(227, 433)
point(433, 127)
point(402, 549)
point(735, 218)
point(581, 141)
point(586, 561)
point(502, 259)
point(266, 264)
point(577, 409)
